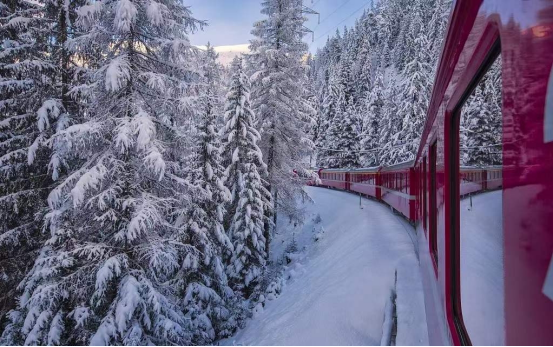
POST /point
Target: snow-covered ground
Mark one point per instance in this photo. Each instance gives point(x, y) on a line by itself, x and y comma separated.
point(337, 287)
point(482, 280)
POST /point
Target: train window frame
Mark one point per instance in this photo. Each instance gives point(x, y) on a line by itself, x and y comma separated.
point(455, 175)
point(424, 195)
point(433, 203)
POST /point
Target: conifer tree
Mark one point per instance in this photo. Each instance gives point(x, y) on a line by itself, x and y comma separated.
point(415, 93)
point(207, 298)
point(481, 122)
point(35, 75)
point(102, 276)
point(279, 99)
point(375, 110)
point(250, 199)
point(399, 40)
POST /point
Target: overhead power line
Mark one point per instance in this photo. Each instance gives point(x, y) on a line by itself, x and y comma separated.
point(333, 12)
point(397, 146)
point(337, 25)
point(363, 151)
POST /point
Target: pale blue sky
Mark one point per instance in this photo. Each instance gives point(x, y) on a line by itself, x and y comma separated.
point(230, 21)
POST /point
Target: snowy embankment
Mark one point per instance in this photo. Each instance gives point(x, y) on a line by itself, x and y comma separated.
point(336, 288)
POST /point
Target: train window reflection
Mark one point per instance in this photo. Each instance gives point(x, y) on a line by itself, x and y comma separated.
point(481, 213)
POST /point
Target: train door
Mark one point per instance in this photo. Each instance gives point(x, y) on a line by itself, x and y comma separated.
point(348, 181)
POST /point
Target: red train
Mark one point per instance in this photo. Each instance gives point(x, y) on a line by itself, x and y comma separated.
point(485, 230)
point(399, 185)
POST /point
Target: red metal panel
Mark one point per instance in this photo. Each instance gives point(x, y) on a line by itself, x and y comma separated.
point(366, 184)
point(378, 180)
point(525, 29)
point(396, 194)
point(528, 186)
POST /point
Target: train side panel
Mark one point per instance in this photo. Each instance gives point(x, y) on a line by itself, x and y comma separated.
point(397, 188)
point(333, 179)
point(524, 30)
point(365, 183)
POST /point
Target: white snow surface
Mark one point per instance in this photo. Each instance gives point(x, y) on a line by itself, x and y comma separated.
point(336, 288)
point(482, 280)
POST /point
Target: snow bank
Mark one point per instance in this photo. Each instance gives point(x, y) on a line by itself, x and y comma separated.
point(482, 280)
point(336, 288)
point(410, 309)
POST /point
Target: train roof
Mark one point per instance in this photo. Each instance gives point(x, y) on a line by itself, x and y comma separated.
point(335, 170)
point(361, 169)
point(403, 165)
point(367, 169)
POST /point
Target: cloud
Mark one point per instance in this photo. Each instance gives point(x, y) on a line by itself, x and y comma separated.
point(227, 53)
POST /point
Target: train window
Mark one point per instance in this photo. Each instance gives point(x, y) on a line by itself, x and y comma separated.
point(433, 232)
point(480, 237)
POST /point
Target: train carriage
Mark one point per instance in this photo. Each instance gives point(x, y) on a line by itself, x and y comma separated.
point(483, 213)
point(366, 181)
point(487, 267)
point(399, 188)
point(472, 180)
point(334, 178)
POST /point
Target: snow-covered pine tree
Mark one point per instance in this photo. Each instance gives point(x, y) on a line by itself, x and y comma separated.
point(349, 53)
point(415, 91)
point(402, 16)
point(334, 110)
point(389, 127)
point(313, 129)
point(481, 122)
point(344, 133)
point(102, 277)
point(203, 283)
point(374, 111)
point(35, 75)
point(250, 199)
point(387, 40)
point(278, 99)
point(366, 56)
point(437, 27)
point(325, 138)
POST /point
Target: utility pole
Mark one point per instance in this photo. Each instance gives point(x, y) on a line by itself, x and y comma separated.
point(308, 10)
